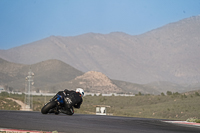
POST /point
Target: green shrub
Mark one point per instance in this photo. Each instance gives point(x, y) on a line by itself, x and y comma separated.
point(169, 93)
point(197, 94)
point(162, 94)
point(197, 121)
point(192, 119)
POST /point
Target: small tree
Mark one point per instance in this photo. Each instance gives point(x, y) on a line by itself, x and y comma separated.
point(197, 94)
point(162, 94)
point(176, 94)
point(169, 93)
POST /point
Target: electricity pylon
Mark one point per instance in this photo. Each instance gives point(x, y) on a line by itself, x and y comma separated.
point(29, 83)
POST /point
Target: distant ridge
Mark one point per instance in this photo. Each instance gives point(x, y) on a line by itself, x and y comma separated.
point(54, 75)
point(169, 53)
point(46, 73)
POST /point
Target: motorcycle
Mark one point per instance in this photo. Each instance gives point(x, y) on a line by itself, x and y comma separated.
point(59, 105)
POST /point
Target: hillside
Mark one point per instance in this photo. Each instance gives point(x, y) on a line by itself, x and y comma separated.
point(54, 75)
point(136, 88)
point(9, 71)
point(91, 82)
point(45, 73)
point(169, 53)
point(97, 82)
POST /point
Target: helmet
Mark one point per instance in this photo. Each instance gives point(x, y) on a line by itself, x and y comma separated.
point(81, 91)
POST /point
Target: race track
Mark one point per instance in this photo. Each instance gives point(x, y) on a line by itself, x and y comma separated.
point(80, 123)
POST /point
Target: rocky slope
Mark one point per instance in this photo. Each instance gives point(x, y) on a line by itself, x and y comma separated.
point(97, 82)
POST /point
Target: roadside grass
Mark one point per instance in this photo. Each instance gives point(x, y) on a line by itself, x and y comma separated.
point(176, 107)
point(6, 104)
point(162, 107)
point(193, 119)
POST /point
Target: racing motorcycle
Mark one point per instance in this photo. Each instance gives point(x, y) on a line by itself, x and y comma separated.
point(59, 105)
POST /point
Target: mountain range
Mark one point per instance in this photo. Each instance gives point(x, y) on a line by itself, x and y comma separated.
point(54, 75)
point(168, 54)
point(46, 73)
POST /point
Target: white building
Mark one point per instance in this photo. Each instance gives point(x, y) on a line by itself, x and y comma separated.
point(101, 109)
point(1, 89)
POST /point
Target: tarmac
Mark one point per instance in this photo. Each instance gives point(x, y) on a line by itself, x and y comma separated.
point(36, 122)
point(185, 123)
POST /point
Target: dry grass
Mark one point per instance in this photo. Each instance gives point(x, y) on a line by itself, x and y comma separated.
point(178, 107)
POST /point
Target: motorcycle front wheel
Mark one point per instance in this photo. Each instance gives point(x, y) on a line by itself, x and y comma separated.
point(48, 106)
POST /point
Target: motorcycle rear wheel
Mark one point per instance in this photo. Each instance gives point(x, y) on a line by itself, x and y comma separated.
point(48, 106)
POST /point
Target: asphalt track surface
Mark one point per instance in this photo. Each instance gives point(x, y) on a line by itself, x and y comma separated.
point(80, 123)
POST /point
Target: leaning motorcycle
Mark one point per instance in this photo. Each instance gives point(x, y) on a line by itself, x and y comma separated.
point(59, 105)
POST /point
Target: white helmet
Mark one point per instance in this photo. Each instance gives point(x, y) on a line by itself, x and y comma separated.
point(81, 91)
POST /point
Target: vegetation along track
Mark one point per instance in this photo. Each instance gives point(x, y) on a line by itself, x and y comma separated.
point(174, 106)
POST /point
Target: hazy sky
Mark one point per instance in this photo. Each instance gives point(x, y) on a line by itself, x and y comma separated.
point(26, 21)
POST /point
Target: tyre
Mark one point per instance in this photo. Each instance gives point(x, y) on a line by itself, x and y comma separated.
point(70, 111)
point(48, 106)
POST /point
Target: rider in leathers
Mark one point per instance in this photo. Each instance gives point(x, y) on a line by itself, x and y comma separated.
point(75, 100)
